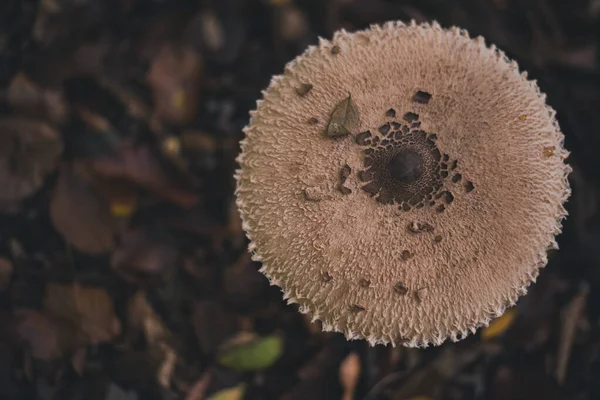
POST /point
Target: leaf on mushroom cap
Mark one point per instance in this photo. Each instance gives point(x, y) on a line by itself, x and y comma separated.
point(456, 204)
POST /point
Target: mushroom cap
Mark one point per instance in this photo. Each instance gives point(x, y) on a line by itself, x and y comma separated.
point(411, 261)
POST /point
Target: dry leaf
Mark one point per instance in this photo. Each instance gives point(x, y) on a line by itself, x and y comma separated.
point(48, 337)
point(80, 214)
point(157, 335)
point(234, 393)
point(29, 152)
point(88, 308)
point(140, 255)
point(175, 77)
point(349, 374)
point(499, 325)
point(140, 165)
point(344, 119)
point(26, 97)
point(569, 323)
point(199, 388)
point(6, 271)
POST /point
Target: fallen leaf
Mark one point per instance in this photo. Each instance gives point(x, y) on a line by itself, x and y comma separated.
point(140, 165)
point(48, 337)
point(234, 393)
point(252, 354)
point(81, 216)
point(569, 322)
point(88, 308)
point(349, 374)
point(199, 388)
point(175, 77)
point(344, 118)
point(29, 152)
point(143, 253)
point(500, 325)
point(6, 271)
point(28, 98)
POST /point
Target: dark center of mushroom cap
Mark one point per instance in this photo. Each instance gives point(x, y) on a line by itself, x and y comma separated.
point(406, 166)
point(403, 165)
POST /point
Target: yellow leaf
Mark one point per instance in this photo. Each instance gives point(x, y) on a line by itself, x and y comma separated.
point(121, 210)
point(499, 325)
point(259, 353)
point(235, 393)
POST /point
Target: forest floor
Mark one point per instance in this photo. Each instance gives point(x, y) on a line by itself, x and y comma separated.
point(124, 271)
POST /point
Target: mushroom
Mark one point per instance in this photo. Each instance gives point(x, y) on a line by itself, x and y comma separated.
point(456, 176)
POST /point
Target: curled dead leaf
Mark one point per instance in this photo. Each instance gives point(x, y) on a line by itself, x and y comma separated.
point(344, 119)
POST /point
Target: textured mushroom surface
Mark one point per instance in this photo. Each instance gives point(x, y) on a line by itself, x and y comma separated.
point(430, 208)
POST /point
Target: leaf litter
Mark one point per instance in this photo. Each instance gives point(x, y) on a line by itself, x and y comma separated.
point(124, 272)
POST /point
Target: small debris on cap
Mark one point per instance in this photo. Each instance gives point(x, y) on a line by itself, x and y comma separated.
point(418, 227)
point(422, 97)
point(400, 288)
point(364, 282)
point(303, 89)
point(410, 116)
point(355, 308)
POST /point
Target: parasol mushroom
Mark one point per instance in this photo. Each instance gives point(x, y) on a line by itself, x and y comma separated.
point(402, 184)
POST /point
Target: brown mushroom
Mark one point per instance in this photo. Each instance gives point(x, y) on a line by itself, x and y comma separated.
point(457, 200)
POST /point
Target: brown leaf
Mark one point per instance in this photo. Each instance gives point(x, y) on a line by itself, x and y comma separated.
point(80, 214)
point(28, 98)
point(140, 255)
point(349, 374)
point(29, 152)
point(344, 119)
point(139, 165)
point(570, 320)
point(48, 337)
point(175, 77)
point(157, 335)
point(88, 308)
point(6, 271)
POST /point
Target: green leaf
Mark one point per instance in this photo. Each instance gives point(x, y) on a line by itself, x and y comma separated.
point(257, 354)
point(344, 118)
point(234, 393)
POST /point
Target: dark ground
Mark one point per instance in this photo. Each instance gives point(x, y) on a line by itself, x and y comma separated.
point(123, 270)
